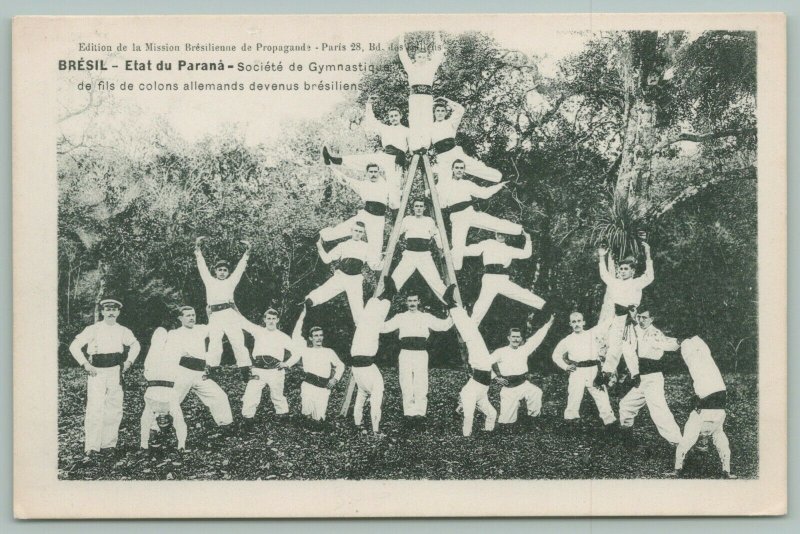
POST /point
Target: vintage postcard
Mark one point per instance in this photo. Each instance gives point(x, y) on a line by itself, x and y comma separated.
point(399, 265)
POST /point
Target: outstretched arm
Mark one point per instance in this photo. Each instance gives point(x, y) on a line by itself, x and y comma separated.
point(371, 122)
point(605, 276)
point(328, 257)
point(343, 179)
point(202, 268)
point(403, 53)
point(390, 326)
point(536, 339)
point(437, 55)
point(237, 273)
point(476, 249)
point(485, 192)
point(439, 325)
point(457, 112)
point(525, 252)
point(649, 274)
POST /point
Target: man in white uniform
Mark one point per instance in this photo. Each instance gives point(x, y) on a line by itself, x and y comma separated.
point(457, 196)
point(270, 350)
point(625, 293)
point(363, 350)
point(374, 194)
point(419, 230)
point(161, 404)
point(512, 369)
point(497, 257)
point(708, 417)
point(187, 344)
point(421, 73)
point(648, 380)
point(224, 318)
point(414, 328)
point(443, 138)
point(394, 140)
point(105, 343)
point(322, 370)
point(579, 355)
point(352, 255)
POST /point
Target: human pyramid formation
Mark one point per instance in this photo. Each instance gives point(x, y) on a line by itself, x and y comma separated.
point(179, 362)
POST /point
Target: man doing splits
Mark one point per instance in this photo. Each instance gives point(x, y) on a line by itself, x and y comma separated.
point(443, 138)
point(322, 370)
point(648, 380)
point(224, 318)
point(511, 370)
point(269, 366)
point(105, 343)
point(187, 344)
point(708, 417)
point(161, 404)
point(457, 196)
point(497, 256)
point(579, 354)
point(352, 254)
point(419, 229)
point(394, 140)
point(421, 73)
point(626, 294)
point(414, 327)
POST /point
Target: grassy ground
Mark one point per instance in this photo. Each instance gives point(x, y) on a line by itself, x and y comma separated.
point(284, 449)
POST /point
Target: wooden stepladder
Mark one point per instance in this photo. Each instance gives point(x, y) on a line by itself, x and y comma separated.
point(449, 275)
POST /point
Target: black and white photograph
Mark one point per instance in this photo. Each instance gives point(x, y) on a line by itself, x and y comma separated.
point(431, 250)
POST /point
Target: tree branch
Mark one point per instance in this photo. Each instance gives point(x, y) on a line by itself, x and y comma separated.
point(699, 138)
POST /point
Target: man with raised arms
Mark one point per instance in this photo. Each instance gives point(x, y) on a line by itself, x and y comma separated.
point(421, 72)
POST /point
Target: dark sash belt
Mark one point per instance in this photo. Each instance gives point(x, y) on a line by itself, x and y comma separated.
point(160, 383)
point(414, 343)
point(108, 359)
point(362, 361)
point(715, 401)
point(220, 307)
point(351, 266)
point(375, 208)
point(195, 364)
point(587, 363)
point(421, 89)
point(266, 362)
point(399, 155)
point(515, 380)
point(444, 145)
point(417, 244)
point(315, 380)
point(648, 366)
point(460, 206)
point(495, 268)
point(623, 310)
point(482, 377)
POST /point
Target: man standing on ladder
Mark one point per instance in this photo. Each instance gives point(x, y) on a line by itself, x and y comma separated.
point(394, 140)
point(421, 73)
point(497, 257)
point(374, 193)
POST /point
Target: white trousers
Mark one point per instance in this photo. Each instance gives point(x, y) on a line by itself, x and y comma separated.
point(314, 401)
point(393, 173)
point(475, 395)
point(650, 393)
point(707, 422)
point(351, 284)
point(500, 284)
point(374, 227)
point(511, 397)
point(207, 391)
point(370, 386)
point(420, 121)
point(421, 261)
point(228, 323)
point(617, 346)
point(580, 380)
point(274, 378)
point(160, 400)
point(103, 409)
point(473, 167)
point(413, 374)
point(468, 218)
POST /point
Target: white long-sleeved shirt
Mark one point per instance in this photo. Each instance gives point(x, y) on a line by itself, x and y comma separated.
point(188, 342)
point(269, 342)
point(626, 292)
point(512, 361)
point(220, 291)
point(414, 227)
point(704, 372)
point(346, 249)
point(397, 136)
point(448, 127)
point(368, 191)
point(578, 347)
point(160, 364)
point(494, 252)
point(316, 360)
point(455, 191)
point(102, 338)
point(651, 343)
point(416, 324)
point(422, 72)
